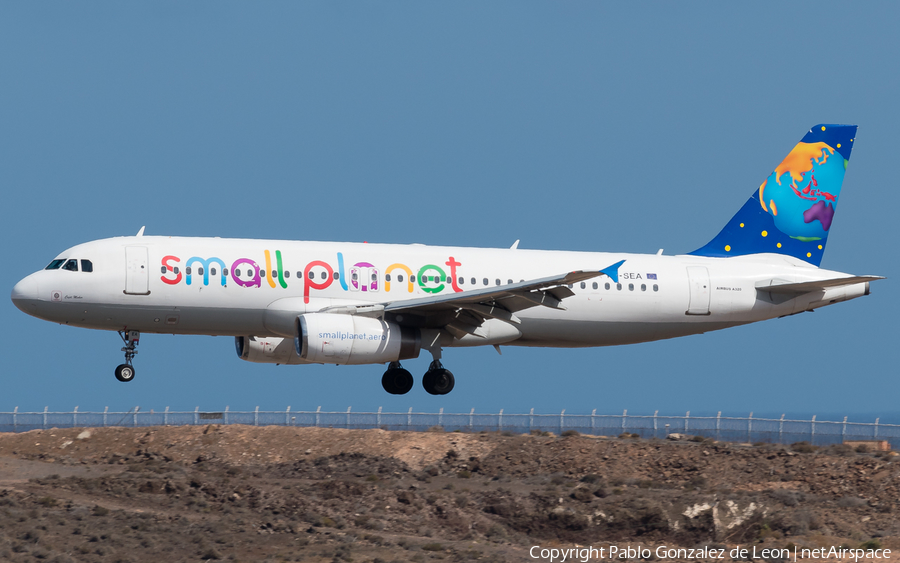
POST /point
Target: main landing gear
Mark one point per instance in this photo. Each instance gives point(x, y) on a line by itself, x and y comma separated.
point(131, 338)
point(396, 380)
point(437, 380)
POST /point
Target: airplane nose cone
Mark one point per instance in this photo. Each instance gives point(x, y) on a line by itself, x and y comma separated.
point(24, 292)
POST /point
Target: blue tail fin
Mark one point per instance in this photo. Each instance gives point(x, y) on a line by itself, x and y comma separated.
point(792, 211)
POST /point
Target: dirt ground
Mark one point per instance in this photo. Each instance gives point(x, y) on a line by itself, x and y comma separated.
point(243, 493)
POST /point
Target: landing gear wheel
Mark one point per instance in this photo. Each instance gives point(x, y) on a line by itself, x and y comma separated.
point(125, 373)
point(438, 380)
point(396, 380)
point(131, 338)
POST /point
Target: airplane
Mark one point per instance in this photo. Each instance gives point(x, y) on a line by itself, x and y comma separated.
point(301, 302)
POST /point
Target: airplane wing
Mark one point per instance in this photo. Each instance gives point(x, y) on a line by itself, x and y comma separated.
point(461, 313)
point(773, 286)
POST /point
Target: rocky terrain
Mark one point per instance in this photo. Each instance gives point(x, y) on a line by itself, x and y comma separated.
point(240, 493)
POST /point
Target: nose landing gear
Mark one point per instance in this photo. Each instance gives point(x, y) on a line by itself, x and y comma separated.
point(131, 338)
point(396, 380)
point(438, 380)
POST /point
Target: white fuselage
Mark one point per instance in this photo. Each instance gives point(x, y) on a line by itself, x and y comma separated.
point(246, 287)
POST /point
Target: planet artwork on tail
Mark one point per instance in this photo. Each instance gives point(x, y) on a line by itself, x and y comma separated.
point(793, 210)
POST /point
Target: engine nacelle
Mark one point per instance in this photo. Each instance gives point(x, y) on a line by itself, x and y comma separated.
point(270, 350)
point(329, 338)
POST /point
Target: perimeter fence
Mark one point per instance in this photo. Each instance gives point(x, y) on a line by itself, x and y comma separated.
point(725, 428)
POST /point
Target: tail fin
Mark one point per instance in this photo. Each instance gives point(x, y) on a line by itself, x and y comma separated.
point(792, 211)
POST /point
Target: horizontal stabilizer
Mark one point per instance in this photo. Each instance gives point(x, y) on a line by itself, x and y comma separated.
point(772, 286)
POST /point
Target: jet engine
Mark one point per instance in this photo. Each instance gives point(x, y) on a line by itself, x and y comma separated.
point(330, 338)
point(271, 350)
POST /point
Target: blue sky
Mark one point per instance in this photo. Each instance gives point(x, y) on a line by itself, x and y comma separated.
point(569, 125)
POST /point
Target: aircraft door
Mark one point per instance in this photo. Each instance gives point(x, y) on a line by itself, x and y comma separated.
point(698, 280)
point(137, 270)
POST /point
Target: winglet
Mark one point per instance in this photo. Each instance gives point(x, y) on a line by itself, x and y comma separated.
point(515, 245)
point(613, 271)
point(141, 232)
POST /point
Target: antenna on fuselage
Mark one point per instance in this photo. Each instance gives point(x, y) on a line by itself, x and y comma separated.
point(515, 245)
point(141, 232)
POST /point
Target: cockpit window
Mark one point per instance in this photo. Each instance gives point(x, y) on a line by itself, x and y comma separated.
point(55, 264)
point(87, 266)
point(71, 265)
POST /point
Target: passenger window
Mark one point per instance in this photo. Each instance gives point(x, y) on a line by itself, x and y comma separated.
point(336, 275)
point(274, 274)
point(55, 264)
point(387, 277)
point(606, 285)
point(286, 274)
point(225, 272)
point(71, 265)
point(354, 276)
point(643, 287)
point(486, 281)
point(87, 266)
point(498, 281)
point(324, 275)
point(594, 285)
point(212, 271)
point(187, 270)
point(631, 287)
point(509, 282)
point(400, 278)
point(473, 281)
point(374, 277)
point(299, 274)
point(312, 275)
point(237, 272)
point(583, 285)
point(462, 280)
point(162, 269)
point(619, 286)
point(655, 287)
point(200, 271)
point(176, 269)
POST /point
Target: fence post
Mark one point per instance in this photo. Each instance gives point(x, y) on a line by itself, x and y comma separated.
point(624, 415)
point(500, 420)
point(530, 420)
point(749, 427)
point(562, 417)
point(781, 429)
point(16, 423)
point(196, 415)
point(876, 426)
point(441, 417)
point(844, 430)
point(75, 417)
point(378, 418)
point(225, 415)
point(136, 409)
point(348, 418)
point(287, 416)
point(256, 416)
point(166, 417)
point(471, 416)
point(45, 417)
point(409, 419)
point(593, 426)
point(686, 417)
point(718, 425)
point(105, 412)
point(812, 438)
point(655, 422)
point(318, 410)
